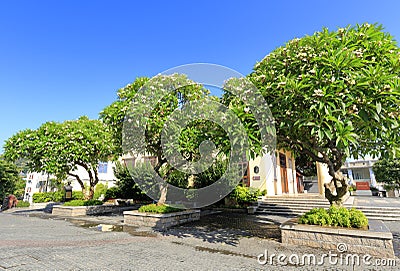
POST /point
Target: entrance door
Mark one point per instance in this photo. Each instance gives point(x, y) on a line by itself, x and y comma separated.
point(284, 179)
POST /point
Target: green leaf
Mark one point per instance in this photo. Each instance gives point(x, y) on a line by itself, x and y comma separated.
point(378, 107)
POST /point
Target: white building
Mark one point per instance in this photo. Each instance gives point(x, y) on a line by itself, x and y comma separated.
point(360, 173)
point(276, 174)
point(41, 182)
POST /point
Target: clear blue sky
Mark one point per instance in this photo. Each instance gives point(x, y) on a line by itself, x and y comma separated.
point(63, 59)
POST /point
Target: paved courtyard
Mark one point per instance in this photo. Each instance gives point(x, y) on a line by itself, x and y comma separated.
point(38, 241)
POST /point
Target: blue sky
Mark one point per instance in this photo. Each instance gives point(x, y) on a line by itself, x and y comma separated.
point(63, 59)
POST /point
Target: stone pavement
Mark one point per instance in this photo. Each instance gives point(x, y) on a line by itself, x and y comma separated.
point(37, 241)
point(373, 201)
point(394, 226)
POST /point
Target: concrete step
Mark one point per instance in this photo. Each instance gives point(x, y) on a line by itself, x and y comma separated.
point(294, 212)
point(292, 206)
point(302, 207)
point(285, 214)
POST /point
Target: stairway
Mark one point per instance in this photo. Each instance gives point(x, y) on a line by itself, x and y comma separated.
point(297, 205)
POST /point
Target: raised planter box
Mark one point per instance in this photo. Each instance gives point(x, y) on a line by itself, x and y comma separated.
point(251, 209)
point(160, 221)
point(88, 210)
point(376, 241)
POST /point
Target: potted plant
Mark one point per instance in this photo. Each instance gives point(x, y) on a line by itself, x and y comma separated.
point(374, 190)
point(352, 190)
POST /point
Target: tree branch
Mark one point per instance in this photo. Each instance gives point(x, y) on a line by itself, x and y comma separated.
point(78, 179)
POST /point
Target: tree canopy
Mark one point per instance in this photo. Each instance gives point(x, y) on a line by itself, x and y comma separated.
point(333, 95)
point(387, 171)
point(59, 148)
point(178, 116)
point(10, 180)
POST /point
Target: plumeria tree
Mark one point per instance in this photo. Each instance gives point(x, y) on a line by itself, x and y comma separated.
point(180, 120)
point(59, 148)
point(333, 95)
point(155, 112)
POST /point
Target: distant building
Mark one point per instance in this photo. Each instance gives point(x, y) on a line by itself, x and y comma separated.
point(41, 182)
point(360, 173)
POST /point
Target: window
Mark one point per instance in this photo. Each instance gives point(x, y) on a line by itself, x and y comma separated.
point(102, 168)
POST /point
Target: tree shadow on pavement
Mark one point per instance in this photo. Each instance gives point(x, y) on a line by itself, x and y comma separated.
point(227, 228)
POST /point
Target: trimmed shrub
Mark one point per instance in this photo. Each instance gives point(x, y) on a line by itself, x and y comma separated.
point(76, 202)
point(245, 195)
point(335, 216)
point(357, 218)
point(23, 204)
point(78, 195)
point(79, 202)
point(55, 196)
point(48, 196)
point(159, 209)
point(316, 216)
point(113, 193)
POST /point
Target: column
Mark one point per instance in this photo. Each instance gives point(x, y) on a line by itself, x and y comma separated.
point(372, 176)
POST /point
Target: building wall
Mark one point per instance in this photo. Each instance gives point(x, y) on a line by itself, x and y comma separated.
point(270, 177)
point(106, 176)
point(35, 182)
point(360, 171)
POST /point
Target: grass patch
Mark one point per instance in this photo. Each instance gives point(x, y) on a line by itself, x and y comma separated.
point(79, 202)
point(158, 209)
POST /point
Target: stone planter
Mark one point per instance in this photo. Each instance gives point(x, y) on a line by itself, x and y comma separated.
point(160, 221)
point(376, 241)
point(251, 209)
point(88, 210)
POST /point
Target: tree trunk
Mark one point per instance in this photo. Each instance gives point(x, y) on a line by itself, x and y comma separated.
point(80, 183)
point(163, 196)
point(335, 190)
point(93, 179)
point(91, 192)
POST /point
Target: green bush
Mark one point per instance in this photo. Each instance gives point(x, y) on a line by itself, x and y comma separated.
point(75, 202)
point(335, 216)
point(246, 195)
point(159, 209)
point(23, 204)
point(55, 196)
point(99, 190)
point(112, 193)
point(317, 216)
point(48, 196)
point(357, 218)
point(127, 187)
point(78, 195)
point(79, 202)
